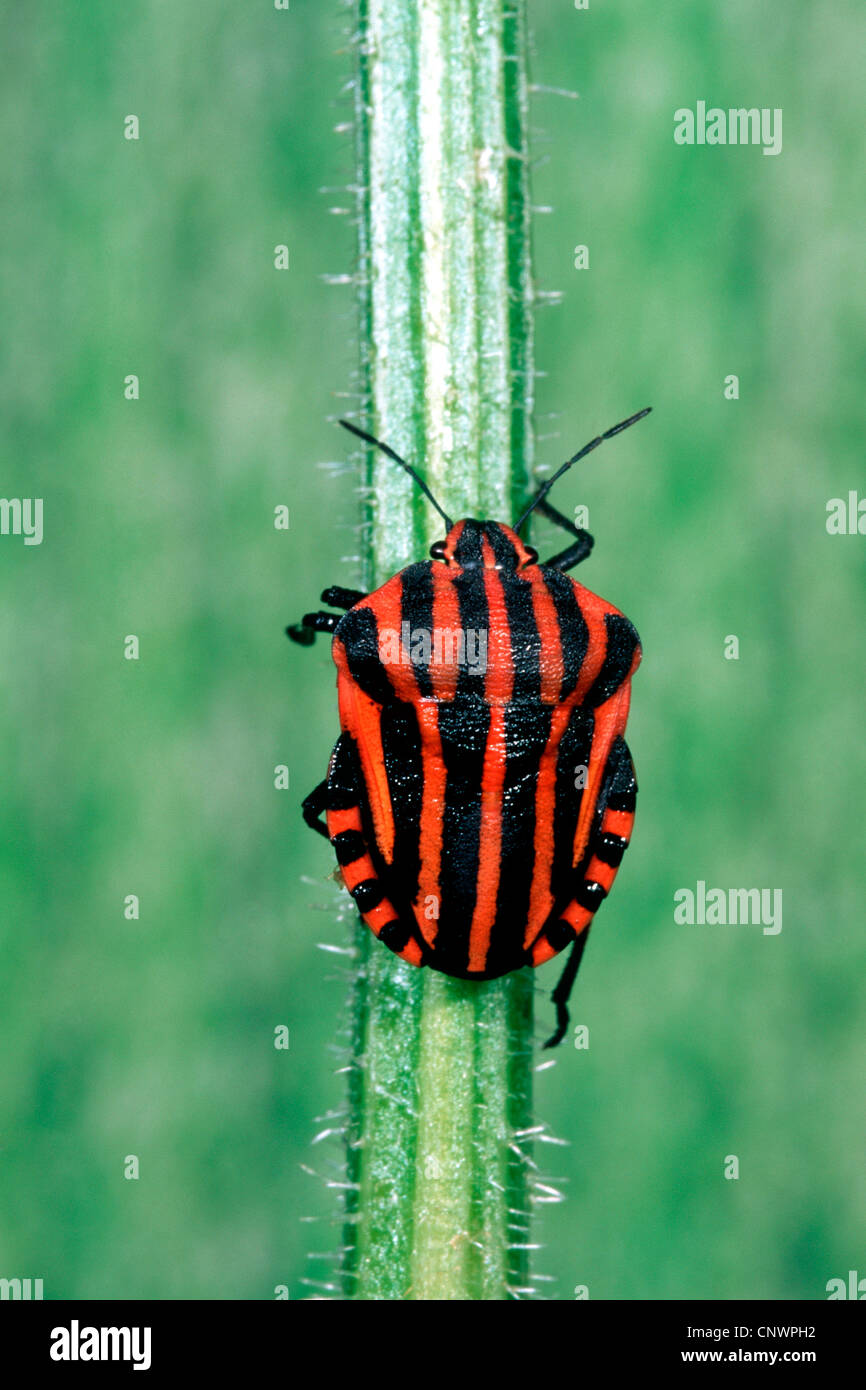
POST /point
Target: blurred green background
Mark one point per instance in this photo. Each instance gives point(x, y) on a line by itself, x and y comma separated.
point(156, 777)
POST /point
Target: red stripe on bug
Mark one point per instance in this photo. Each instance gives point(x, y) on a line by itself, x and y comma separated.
point(593, 609)
point(617, 823)
point(540, 895)
point(542, 951)
point(551, 645)
point(389, 616)
point(490, 845)
point(499, 676)
point(430, 822)
point(362, 718)
point(377, 917)
point(411, 952)
point(498, 687)
point(599, 872)
point(446, 634)
point(357, 871)
point(577, 916)
point(610, 721)
point(338, 821)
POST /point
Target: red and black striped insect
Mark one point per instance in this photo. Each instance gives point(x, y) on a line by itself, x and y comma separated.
point(481, 794)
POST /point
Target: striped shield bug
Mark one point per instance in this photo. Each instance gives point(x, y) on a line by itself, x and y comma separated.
point(481, 794)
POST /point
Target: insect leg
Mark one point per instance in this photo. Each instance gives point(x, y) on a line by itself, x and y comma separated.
point(562, 993)
point(338, 597)
point(573, 554)
point(607, 845)
point(312, 807)
point(304, 632)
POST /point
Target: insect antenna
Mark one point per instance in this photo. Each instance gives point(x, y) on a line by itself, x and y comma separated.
point(587, 449)
point(386, 449)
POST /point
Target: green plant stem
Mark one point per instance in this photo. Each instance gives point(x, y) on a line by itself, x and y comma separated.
point(440, 1093)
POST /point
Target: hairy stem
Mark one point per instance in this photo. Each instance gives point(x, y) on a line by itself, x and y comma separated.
point(439, 1174)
